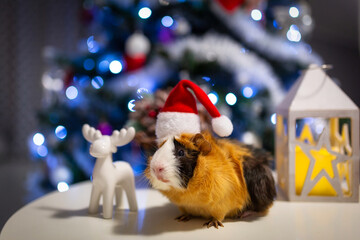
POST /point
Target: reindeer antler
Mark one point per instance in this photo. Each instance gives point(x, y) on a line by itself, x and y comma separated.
point(123, 137)
point(90, 133)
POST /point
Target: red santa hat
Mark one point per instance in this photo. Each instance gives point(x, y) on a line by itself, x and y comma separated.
point(180, 115)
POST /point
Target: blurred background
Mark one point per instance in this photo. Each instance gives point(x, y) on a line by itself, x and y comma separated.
point(110, 63)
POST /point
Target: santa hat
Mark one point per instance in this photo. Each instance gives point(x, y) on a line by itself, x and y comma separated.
point(180, 115)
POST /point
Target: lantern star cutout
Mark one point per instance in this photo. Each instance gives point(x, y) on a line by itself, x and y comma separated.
point(341, 142)
point(323, 163)
point(306, 135)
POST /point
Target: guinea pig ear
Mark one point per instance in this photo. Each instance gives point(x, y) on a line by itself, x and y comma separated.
point(200, 142)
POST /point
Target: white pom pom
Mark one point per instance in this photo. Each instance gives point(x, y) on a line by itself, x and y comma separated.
point(222, 126)
point(137, 44)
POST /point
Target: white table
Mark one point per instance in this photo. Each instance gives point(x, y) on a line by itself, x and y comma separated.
point(64, 216)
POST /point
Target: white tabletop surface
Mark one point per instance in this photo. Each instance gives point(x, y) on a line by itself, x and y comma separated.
point(64, 216)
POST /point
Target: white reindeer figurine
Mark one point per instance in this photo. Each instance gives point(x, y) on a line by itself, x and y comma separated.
point(110, 178)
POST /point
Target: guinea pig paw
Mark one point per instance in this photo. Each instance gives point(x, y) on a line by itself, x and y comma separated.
point(183, 218)
point(213, 223)
point(246, 214)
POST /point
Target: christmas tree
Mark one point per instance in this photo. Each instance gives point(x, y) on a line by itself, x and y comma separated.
point(245, 54)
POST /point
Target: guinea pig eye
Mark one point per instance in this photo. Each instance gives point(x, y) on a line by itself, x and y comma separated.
point(181, 153)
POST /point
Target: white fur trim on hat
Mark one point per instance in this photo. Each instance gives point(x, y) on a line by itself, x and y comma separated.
point(175, 123)
point(222, 126)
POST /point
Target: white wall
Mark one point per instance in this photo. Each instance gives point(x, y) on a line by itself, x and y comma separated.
point(336, 39)
point(25, 28)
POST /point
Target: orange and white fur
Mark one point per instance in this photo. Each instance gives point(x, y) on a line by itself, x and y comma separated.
point(212, 178)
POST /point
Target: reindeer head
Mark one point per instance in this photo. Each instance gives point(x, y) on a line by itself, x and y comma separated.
point(101, 146)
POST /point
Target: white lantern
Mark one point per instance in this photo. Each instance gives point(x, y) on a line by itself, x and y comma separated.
point(317, 141)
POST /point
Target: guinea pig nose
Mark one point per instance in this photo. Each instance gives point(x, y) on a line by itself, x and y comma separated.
point(158, 169)
point(159, 172)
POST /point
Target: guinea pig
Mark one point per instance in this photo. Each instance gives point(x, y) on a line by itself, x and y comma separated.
point(212, 178)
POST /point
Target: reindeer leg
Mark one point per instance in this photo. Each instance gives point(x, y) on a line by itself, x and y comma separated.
point(94, 200)
point(129, 187)
point(118, 196)
point(108, 198)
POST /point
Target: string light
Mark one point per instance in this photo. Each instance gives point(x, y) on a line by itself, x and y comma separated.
point(206, 79)
point(89, 64)
point(307, 20)
point(256, 15)
point(42, 151)
point(248, 92)
point(104, 66)
point(213, 97)
point(231, 99)
point(141, 92)
point(93, 46)
point(55, 84)
point(131, 105)
point(167, 21)
point(293, 34)
point(249, 138)
point(275, 24)
point(60, 174)
point(71, 92)
point(145, 12)
point(115, 67)
point(62, 187)
point(294, 12)
point(97, 82)
point(60, 132)
point(273, 118)
point(38, 139)
point(82, 81)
